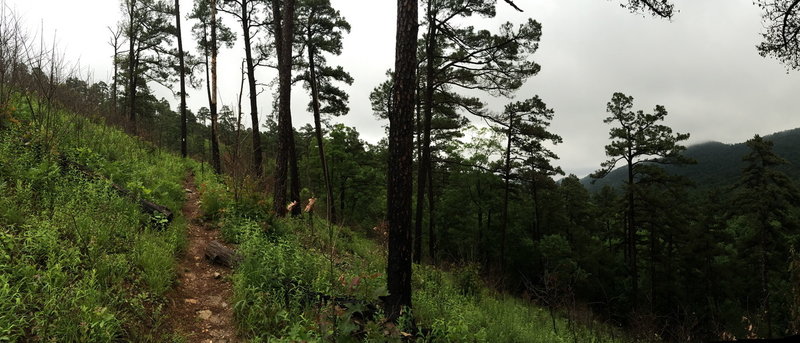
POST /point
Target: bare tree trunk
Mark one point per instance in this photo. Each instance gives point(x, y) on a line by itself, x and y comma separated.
point(184, 150)
point(215, 161)
point(507, 179)
point(318, 131)
point(417, 258)
point(631, 240)
point(115, 43)
point(432, 244)
point(401, 147)
point(282, 155)
point(208, 84)
point(537, 226)
point(287, 38)
point(238, 143)
point(425, 162)
point(251, 78)
point(294, 186)
point(132, 64)
point(286, 161)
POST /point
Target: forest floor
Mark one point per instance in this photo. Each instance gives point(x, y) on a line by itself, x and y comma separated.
point(199, 307)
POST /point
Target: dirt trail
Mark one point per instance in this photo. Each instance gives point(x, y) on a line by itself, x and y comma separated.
point(199, 306)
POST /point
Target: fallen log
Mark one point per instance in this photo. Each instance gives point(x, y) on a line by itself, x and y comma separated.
point(147, 206)
point(222, 255)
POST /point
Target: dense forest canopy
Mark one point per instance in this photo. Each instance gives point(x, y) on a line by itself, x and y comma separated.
point(465, 173)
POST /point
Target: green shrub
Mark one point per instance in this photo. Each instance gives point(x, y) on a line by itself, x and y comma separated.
point(273, 284)
point(78, 262)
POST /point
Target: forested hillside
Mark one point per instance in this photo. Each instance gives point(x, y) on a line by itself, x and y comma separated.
point(718, 165)
point(124, 217)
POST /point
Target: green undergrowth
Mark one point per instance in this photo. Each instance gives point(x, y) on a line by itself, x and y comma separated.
point(291, 267)
point(78, 262)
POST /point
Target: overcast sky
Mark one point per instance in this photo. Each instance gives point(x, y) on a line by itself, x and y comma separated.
point(702, 65)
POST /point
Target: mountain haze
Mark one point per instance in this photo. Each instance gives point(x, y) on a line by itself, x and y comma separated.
point(718, 164)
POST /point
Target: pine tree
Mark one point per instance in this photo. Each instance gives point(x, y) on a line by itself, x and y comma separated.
point(766, 196)
point(321, 33)
point(638, 140)
point(524, 123)
point(211, 34)
point(245, 11)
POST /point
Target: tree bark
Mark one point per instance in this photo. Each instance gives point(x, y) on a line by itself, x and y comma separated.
point(631, 238)
point(318, 130)
point(432, 244)
point(115, 42)
point(221, 255)
point(215, 161)
point(479, 204)
point(425, 162)
point(417, 258)
point(182, 73)
point(251, 78)
point(294, 175)
point(507, 179)
point(132, 64)
point(401, 147)
point(342, 196)
point(286, 160)
point(537, 226)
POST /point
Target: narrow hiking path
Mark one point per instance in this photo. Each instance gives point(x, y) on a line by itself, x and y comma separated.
point(199, 306)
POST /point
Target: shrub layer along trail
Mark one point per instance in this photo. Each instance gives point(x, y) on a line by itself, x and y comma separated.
point(199, 307)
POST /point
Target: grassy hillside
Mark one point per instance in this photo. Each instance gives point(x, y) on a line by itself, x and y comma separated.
point(78, 262)
point(718, 164)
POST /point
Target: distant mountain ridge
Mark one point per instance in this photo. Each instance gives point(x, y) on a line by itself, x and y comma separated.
point(718, 164)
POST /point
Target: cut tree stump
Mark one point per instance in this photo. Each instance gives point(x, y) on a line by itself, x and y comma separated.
point(222, 255)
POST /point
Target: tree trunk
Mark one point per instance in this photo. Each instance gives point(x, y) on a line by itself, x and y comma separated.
point(480, 221)
point(653, 268)
point(208, 85)
point(182, 73)
point(401, 147)
point(114, 85)
point(507, 188)
point(318, 132)
point(219, 254)
point(417, 258)
point(251, 78)
point(425, 162)
point(215, 161)
point(294, 190)
point(764, 281)
point(631, 239)
point(432, 244)
point(286, 160)
point(238, 142)
point(132, 64)
point(342, 194)
point(537, 218)
point(286, 87)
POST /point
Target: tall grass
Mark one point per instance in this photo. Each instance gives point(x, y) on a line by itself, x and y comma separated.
point(79, 263)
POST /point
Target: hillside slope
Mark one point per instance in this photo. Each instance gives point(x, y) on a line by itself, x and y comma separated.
point(79, 261)
point(718, 164)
